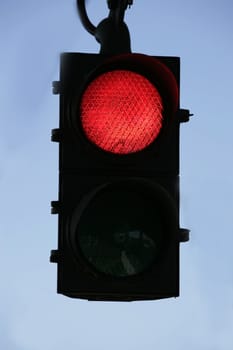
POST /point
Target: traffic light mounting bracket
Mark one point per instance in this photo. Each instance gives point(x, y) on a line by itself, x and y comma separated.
point(112, 32)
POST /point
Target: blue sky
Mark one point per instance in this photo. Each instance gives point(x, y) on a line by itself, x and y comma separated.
point(33, 316)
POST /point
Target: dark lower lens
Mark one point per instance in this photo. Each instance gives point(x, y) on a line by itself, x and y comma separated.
point(121, 231)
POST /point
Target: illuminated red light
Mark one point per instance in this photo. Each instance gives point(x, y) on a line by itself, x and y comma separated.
point(121, 112)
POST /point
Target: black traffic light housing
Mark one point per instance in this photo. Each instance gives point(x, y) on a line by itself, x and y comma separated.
point(119, 231)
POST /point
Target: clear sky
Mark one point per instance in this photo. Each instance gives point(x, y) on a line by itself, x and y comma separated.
point(33, 316)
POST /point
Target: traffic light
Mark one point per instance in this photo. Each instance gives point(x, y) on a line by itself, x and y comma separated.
point(118, 205)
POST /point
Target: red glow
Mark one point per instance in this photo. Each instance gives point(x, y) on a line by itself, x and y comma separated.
point(121, 112)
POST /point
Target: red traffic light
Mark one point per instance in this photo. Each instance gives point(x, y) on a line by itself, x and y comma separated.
point(121, 112)
point(125, 105)
point(118, 202)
